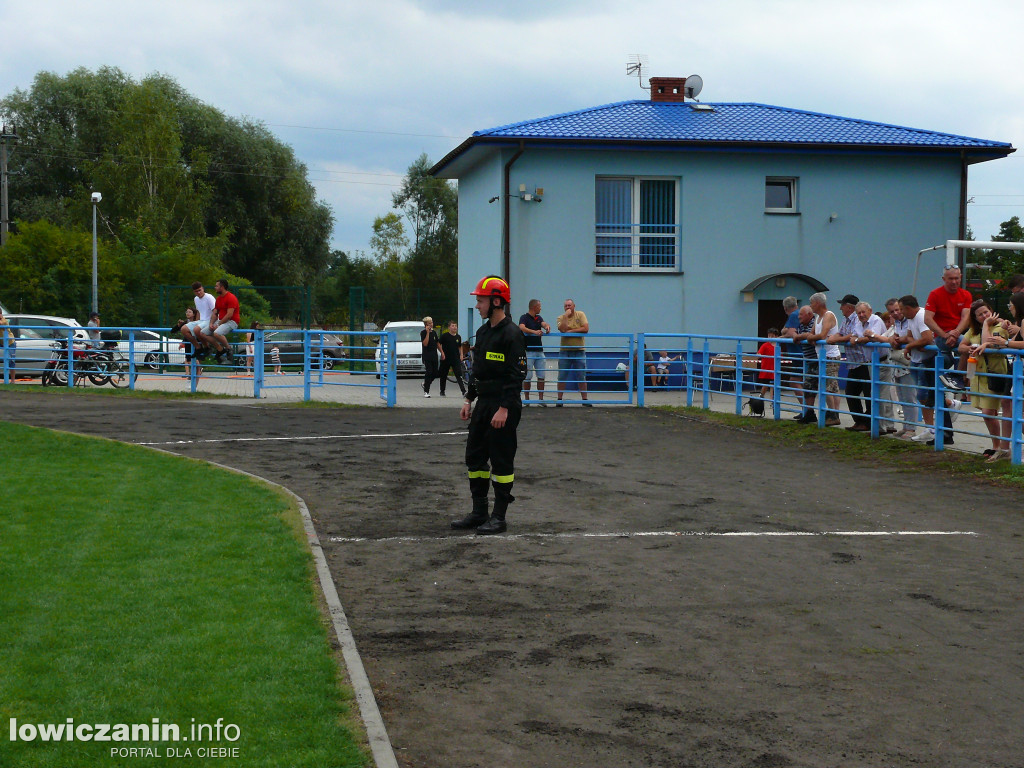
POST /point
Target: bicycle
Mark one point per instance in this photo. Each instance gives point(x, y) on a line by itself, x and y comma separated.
point(105, 366)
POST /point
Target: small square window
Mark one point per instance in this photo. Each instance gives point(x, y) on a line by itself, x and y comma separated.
point(780, 195)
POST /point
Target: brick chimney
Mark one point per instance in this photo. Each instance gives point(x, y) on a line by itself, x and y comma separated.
point(668, 88)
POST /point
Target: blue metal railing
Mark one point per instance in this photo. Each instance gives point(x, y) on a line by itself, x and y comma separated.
point(150, 350)
point(720, 364)
point(610, 365)
point(600, 371)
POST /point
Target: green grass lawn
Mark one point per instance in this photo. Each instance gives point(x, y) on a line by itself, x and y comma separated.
point(136, 585)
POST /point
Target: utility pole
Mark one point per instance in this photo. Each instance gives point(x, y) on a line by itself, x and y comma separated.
point(5, 220)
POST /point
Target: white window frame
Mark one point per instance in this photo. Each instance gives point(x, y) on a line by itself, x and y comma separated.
point(635, 235)
point(794, 186)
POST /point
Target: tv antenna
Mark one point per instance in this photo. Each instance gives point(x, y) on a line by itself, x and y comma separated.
point(638, 65)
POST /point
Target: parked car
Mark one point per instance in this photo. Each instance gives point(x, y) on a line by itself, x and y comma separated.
point(289, 346)
point(33, 351)
point(408, 348)
point(49, 326)
point(150, 350)
point(153, 351)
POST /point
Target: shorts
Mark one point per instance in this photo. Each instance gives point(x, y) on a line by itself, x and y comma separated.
point(196, 325)
point(831, 376)
point(572, 364)
point(225, 328)
point(535, 363)
point(924, 376)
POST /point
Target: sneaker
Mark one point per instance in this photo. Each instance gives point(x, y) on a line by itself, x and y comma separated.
point(442, 394)
point(426, 394)
point(924, 436)
point(219, 357)
point(587, 405)
point(949, 382)
point(954, 410)
point(832, 421)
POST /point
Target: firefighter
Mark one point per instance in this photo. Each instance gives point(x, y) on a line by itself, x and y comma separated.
point(499, 367)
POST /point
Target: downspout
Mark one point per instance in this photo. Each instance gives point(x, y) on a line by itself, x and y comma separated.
point(963, 206)
point(506, 245)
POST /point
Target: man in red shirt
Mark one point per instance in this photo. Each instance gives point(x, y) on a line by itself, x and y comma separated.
point(226, 318)
point(947, 313)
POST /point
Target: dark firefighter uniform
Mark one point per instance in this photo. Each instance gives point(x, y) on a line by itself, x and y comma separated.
point(499, 367)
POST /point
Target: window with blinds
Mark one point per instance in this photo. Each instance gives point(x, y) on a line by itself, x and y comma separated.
point(636, 224)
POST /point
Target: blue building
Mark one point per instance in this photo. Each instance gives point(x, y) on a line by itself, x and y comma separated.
point(676, 216)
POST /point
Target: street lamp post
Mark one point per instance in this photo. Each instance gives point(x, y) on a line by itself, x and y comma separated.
point(96, 197)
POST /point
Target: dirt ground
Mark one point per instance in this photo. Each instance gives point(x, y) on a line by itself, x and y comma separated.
point(537, 649)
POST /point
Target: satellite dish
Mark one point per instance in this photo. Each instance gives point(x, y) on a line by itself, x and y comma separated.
point(638, 65)
point(693, 85)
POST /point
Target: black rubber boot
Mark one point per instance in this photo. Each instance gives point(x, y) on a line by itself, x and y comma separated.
point(492, 526)
point(475, 518)
point(502, 498)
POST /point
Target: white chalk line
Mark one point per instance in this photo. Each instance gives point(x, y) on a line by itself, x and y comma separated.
point(642, 534)
point(304, 437)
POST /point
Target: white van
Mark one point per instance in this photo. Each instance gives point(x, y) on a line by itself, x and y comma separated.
point(408, 348)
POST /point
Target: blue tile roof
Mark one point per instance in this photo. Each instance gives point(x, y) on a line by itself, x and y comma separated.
point(727, 123)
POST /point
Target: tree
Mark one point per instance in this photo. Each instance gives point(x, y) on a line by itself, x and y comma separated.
point(389, 245)
point(430, 205)
point(166, 164)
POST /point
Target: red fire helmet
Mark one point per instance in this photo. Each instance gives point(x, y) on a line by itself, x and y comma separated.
point(492, 285)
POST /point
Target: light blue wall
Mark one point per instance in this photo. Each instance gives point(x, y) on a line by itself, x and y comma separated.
point(887, 208)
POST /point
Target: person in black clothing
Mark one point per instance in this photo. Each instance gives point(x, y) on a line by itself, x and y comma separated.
point(499, 368)
point(451, 348)
point(431, 347)
point(533, 327)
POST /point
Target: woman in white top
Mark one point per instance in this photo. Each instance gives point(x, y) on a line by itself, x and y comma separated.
point(826, 327)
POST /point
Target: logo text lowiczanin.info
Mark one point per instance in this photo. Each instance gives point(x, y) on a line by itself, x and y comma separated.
point(153, 731)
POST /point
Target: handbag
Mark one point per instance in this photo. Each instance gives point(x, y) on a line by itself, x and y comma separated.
point(999, 383)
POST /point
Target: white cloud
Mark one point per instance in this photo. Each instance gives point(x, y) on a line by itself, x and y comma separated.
point(445, 67)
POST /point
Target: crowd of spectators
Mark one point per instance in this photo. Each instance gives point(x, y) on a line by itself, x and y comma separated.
point(963, 333)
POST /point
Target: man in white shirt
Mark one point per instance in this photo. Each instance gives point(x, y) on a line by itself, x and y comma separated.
point(205, 303)
point(872, 330)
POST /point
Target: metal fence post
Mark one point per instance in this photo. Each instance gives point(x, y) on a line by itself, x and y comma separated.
point(71, 358)
point(737, 386)
point(637, 367)
point(875, 386)
point(392, 370)
point(305, 366)
point(131, 360)
point(707, 374)
point(939, 396)
point(819, 348)
point(689, 371)
point(1016, 413)
point(257, 367)
point(777, 389)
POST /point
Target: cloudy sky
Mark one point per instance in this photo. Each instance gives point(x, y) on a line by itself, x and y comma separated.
point(361, 88)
